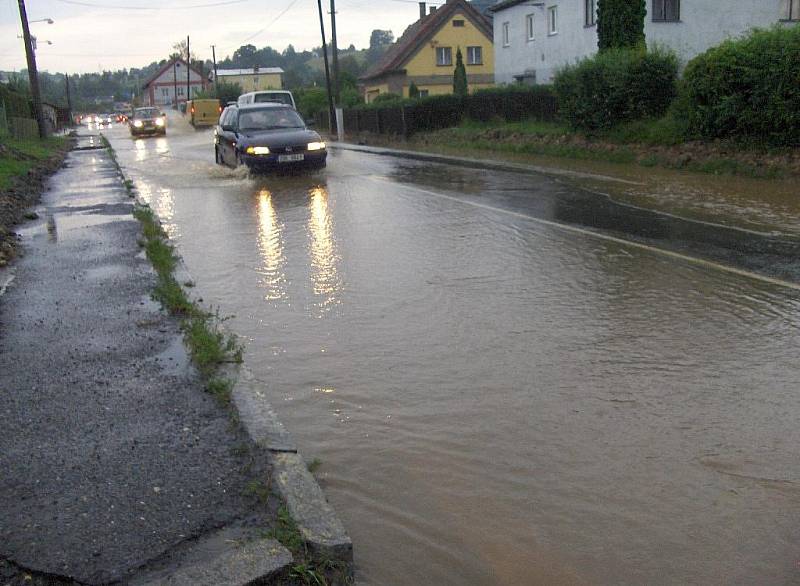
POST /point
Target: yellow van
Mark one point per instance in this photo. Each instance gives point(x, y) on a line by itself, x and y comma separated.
point(203, 112)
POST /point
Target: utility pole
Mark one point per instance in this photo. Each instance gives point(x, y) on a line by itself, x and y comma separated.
point(188, 71)
point(33, 76)
point(331, 109)
point(175, 80)
point(214, 60)
point(335, 51)
point(69, 97)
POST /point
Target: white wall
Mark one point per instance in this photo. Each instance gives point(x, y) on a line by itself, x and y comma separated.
point(706, 23)
point(703, 24)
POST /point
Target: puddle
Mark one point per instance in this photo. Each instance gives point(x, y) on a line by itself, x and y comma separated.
point(174, 360)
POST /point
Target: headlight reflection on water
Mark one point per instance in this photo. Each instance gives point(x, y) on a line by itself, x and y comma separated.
point(324, 259)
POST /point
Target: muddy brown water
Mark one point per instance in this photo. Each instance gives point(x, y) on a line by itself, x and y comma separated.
point(495, 399)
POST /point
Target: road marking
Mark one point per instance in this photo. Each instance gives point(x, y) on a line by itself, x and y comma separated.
point(6, 283)
point(577, 230)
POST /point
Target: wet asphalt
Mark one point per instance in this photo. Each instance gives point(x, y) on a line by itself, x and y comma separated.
point(111, 453)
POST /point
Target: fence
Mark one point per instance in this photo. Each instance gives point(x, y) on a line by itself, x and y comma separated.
point(411, 116)
point(13, 124)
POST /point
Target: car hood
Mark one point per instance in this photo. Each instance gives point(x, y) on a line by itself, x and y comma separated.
point(278, 138)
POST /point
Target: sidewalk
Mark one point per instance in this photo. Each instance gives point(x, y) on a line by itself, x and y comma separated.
point(114, 459)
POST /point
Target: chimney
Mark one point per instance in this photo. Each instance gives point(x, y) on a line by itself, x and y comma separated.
point(422, 10)
point(432, 9)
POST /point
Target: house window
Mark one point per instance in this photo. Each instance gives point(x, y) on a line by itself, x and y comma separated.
point(424, 93)
point(444, 56)
point(529, 27)
point(180, 91)
point(164, 91)
point(552, 20)
point(458, 23)
point(591, 12)
point(666, 10)
point(506, 42)
point(255, 81)
point(474, 56)
point(791, 10)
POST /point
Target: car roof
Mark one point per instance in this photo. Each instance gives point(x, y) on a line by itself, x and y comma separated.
point(263, 105)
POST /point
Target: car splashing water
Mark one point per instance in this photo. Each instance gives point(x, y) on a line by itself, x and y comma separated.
point(496, 400)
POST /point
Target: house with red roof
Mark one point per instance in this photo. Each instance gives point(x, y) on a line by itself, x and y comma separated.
point(170, 81)
point(425, 54)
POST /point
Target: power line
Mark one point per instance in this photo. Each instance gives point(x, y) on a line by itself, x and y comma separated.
point(118, 7)
point(273, 21)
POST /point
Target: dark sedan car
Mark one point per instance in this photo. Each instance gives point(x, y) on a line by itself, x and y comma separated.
point(147, 121)
point(266, 137)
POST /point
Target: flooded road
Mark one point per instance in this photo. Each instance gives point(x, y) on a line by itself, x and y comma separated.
point(495, 398)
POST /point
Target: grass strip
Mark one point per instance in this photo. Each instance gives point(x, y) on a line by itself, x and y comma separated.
point(17, 157)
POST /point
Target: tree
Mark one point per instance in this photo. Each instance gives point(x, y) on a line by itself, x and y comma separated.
point(620, 24)
point(413, 91)
point(380, 38)
point(460, 87)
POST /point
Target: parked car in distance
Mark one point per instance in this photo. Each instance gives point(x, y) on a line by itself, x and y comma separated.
point(147, 121)
point(267, 136)
point(203, 112)
point(261, 96)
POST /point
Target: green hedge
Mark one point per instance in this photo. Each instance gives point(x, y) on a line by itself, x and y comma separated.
point(747, 89)
point(16, 104)
point(616, 85)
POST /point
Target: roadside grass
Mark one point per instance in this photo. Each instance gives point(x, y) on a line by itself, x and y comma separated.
point(209, 347)
point(17, 157)
point(649, 143)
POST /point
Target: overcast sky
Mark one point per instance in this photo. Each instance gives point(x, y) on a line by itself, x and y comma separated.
point(116, 34)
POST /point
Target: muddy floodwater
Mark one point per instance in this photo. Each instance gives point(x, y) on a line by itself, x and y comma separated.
point(503, 386)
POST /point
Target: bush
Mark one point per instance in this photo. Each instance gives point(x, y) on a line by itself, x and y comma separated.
point(747, 89)
point(614, 86)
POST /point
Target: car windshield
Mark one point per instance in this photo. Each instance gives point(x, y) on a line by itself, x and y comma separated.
point(279, 97)
point(269, 119)
point(147, 113)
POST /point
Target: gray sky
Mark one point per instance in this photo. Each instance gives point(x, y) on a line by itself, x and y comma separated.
point(114, 34)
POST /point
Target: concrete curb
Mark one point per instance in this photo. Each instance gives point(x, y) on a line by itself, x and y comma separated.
point(481, 163)
point(316, 520)
point(318, 523)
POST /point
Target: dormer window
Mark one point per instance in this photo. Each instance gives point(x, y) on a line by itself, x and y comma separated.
point(458, 23)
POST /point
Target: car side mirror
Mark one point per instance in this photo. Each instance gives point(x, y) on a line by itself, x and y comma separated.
point(311, 123)
point(228, 128)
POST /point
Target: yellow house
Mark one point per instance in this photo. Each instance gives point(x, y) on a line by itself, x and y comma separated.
point(250, 80)
point(426, 54)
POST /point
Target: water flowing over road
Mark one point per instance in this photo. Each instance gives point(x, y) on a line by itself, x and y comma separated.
point(508, 380)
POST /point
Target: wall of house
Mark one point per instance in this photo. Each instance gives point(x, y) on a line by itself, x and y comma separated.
point(423, 62)
point(253, 82)
point(536, 60)
point(706, 23)
point(374, 90)
point(703, 24)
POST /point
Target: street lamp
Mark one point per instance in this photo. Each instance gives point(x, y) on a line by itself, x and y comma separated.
point(47, 20)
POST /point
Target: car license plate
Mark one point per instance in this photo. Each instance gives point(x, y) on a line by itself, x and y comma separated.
point(290, 158)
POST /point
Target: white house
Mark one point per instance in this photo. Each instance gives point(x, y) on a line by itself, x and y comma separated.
point(533, 38)
point(169, 81)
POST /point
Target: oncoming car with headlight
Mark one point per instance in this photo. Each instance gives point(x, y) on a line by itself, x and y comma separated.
point(147, 121)
point(266, 137)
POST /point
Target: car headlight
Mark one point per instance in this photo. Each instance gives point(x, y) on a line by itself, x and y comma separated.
point(159, 122)
point(259, 150)
point(137, 123)
point(316, 146)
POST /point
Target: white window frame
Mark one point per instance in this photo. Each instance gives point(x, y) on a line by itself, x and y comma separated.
point(552, 20)
point(471, 51)
point(165, 91)
point(590, 8)
point(506, 36)
point(530, 27)
point(445, 51)
point(424, 93)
